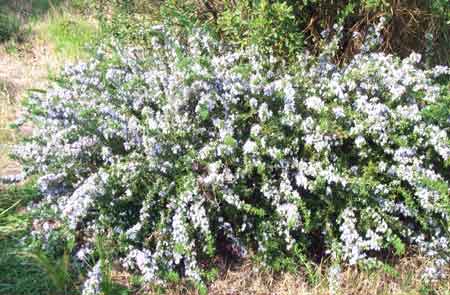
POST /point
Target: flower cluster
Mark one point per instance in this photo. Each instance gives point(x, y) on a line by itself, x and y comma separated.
point(193, 149)
point(92, 285)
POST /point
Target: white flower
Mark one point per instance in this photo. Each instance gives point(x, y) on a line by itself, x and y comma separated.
point(250, 147)
point(92, 286)
point(314, 103)
point(360, 141)
point(290, 213)
point(264, 113)
point(334, 279)
point(255, 130)
point(339, 112)
point(83, 253)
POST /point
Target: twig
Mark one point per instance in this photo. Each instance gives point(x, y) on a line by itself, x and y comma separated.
point(12, 206)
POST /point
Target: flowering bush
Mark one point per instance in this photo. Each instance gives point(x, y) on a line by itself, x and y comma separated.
point(192, 149)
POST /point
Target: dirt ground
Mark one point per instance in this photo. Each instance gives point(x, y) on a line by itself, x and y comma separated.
point(19, 71)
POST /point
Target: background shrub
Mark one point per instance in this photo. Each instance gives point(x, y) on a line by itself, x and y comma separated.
point(266, 25)
point(412, 26)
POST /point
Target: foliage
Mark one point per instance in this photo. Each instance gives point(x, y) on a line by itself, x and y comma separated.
point(9, 26)
point(268, 26)
point(125, 20)
point(192, 149)
point(413, 26)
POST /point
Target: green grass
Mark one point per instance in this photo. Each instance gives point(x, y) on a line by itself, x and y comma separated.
point(19, 275)
point(69, 35)
point(26, 271)
point(58, 23)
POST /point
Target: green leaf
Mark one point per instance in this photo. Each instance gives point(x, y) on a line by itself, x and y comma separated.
point(204, 112)
point(230, 141)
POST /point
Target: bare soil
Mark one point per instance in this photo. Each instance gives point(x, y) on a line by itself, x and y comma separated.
point(25, 69)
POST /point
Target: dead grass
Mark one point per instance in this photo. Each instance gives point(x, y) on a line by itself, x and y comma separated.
point(17, 74)
point(405, 280)
point(245, 279)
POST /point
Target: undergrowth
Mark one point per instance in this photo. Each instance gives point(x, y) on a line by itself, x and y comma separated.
point(19, 274)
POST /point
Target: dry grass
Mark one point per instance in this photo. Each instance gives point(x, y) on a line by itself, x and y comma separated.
point(406, 280)
point(245, 279)
point(18, 72)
